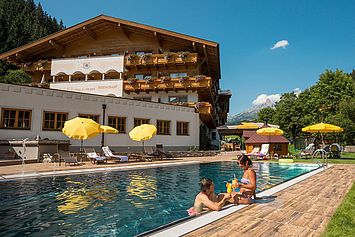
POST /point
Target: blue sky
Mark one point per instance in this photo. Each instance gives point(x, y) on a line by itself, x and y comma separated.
point(321, 35)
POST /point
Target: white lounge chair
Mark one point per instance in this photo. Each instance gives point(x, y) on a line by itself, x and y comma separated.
point(96, 158)
point(254, 153)
point(308, 151)
point(108, 153)
point(264, 152)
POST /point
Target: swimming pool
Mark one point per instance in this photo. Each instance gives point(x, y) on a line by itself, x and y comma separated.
point(123, 203)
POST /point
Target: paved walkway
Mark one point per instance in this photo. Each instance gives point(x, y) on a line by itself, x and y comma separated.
point(300, 210)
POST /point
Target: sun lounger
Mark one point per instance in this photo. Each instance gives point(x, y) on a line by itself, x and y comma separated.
point(94, 157)
point(148, 150)
point(254, 153)
point(308, 151)
point(264, 152)
point(108, 153)
point(67, 157)
point(162, 152)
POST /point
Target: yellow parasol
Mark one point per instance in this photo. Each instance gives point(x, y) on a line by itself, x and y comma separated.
point(245, 125)
point(107, 129)
point(322, 128)
point(269, 131)
point(84, 128)
point(142, 133)
point(81, 128)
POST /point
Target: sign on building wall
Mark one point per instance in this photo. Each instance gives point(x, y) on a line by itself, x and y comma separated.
point(87, 65)
point(103, 87)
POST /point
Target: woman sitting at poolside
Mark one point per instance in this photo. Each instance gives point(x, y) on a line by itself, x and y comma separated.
point(247, 184)
point(207, 199)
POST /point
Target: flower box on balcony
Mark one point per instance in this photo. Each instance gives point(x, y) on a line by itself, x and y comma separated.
point(147, 58)
point(183, 79)
point(132, 81)
point(165, 79)
point(133, 58)
point(200, 77)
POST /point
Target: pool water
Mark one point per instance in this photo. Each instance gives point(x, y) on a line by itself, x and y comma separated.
point(121, 203)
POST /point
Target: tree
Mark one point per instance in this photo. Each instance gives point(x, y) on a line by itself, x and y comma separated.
point(21, 22)
point(266, 113)
point(330, 100)
point(16, 77)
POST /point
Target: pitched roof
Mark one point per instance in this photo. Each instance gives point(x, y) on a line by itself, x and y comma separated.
point(256, 138)
point(85, 29)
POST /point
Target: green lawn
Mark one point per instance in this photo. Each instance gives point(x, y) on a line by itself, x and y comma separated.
point(346, 158)
point(343, 220)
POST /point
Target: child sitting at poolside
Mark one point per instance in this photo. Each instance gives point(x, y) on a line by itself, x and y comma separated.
point(207, 199)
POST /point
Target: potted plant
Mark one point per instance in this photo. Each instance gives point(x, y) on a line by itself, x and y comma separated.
point(183, 79)
point(132, 80)
point(200, 77)
point(146, 57)
point(183, 55)
point(149, 80)
point(165, 79)
point(168, 56)
point(132, 57)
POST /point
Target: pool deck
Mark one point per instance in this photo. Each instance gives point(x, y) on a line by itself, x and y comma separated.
point(303, 209)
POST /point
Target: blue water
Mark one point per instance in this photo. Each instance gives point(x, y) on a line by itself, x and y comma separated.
point(118, 203)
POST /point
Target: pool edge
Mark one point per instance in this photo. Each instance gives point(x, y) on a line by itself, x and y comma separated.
point(191, 224)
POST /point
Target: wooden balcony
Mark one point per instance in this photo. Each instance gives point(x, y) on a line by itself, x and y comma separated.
point(41, 65)
point(167, 84)
point(204, 109)
point(183, 58)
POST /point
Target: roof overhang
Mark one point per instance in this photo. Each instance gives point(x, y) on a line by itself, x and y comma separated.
point(89, 27)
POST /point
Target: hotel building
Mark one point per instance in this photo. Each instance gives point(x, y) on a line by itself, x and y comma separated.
point(119, 73)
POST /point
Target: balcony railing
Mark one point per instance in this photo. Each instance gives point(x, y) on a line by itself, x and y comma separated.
point(162, 59)
point(41, 65)
point(205, 110)
point(166, 84)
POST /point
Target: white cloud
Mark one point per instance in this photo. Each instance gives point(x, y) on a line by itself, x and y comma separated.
point(280, 44)
point(267, 100)
point(297, 91)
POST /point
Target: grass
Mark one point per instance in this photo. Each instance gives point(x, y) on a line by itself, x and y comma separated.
point(343, 220)
point(346, 157)
point(343, 160)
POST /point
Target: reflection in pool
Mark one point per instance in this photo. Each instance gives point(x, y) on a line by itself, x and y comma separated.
point(118, 203)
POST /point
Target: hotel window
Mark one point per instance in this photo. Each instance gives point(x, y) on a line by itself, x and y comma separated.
point(16, 118)
point(178, 99)
point(277, 147)
point(117, 122)
point(143, 76)
point(178, 74)
point(90, 116)
point(139, 121)
point(163, 127)
point(182, 128)
point(140, 53)
point(54, 120)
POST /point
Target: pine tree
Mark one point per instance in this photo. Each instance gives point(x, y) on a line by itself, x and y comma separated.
point(21, 22)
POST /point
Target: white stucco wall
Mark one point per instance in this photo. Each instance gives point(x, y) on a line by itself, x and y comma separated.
point(39, 100)
point(102, 87)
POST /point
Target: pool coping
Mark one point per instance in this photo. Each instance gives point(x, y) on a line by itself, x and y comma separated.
point(91, 170)
point(192, 224)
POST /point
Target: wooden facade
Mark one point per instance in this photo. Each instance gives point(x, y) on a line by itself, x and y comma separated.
point(148, 51)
